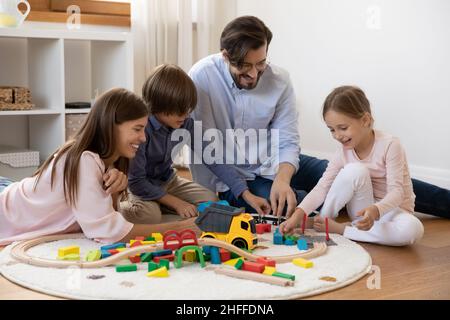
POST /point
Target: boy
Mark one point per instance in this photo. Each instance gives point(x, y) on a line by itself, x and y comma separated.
point(155, 188)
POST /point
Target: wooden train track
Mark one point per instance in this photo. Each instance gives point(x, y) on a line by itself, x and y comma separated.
point(19, 252)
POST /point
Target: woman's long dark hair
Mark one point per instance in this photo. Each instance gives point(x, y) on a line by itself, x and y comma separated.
point(114, 107)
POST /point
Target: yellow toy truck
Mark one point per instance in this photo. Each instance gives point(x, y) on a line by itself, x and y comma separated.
point(228, 224)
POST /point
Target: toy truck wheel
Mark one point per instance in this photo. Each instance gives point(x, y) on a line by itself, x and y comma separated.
point(240, 243)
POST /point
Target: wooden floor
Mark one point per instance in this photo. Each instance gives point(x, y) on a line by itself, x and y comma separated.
point(421, 271)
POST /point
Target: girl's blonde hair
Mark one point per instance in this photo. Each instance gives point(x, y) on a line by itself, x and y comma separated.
point(349, 100)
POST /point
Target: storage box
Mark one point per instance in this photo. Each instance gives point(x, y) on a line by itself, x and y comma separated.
point(17, 163)
point(15, 98)
point(74, 122)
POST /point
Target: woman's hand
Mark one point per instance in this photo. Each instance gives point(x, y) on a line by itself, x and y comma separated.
point(115, 181)
point(294, 221)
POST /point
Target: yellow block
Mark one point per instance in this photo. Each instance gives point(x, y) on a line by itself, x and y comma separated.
point(158, 236)
point(231, 262)
point(68, 250)
point(121, 249)
point(190, 256)
point(148, 242)
point(269, 270)
point(161, 272)
point(303, 263)
point(70, 256)
point(93, 255)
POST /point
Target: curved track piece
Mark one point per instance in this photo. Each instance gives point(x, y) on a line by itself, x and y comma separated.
point(19, 252)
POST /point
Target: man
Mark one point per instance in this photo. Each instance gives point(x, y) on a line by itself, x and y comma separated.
point(238, 89)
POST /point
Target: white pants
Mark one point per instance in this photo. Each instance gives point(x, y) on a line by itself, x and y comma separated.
point(353, 187)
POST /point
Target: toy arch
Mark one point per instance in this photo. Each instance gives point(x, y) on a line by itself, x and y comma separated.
point(178, 261)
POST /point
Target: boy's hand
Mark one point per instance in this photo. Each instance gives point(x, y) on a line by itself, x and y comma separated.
point(369, 215)
point(294, 221)
point(261, 205)
point(185, 209)
point(115, 181)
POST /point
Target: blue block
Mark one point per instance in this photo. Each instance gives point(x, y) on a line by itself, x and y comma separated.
point(277, 237)
point(289, 242)
point(114, 246)
point(161, 253)
point(206, 250)
point(105, 254)
point(215, 256)
point(302, 244)
point(202, 206)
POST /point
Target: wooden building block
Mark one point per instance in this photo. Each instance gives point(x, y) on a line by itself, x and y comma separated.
point(68, 250)
point(253, 266)
point(126, 268)
point(303, 263)
point(161, 272)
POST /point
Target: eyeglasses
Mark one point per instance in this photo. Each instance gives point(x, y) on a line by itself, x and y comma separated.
point(246, 66)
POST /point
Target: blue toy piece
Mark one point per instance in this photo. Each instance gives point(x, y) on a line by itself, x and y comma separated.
point(105, 254)
point(289, 242)
point(215, 256)
point(302, 244)
point(277, 237)
point(113, 246)
point(207, 250)
point(161, 253)
point(202, 206)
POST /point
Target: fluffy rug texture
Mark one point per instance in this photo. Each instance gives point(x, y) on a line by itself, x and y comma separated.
point(346, 262)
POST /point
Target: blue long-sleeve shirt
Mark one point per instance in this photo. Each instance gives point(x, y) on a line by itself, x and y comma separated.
point(152, 165)
point(270, 106)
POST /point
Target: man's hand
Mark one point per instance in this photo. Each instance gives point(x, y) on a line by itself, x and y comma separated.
point(115, 181)
point(369, 216)
point(282, 192)
point(261, 205)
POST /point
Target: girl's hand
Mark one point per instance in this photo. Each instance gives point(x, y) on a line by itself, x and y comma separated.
point(115, 181)
point(294, 221)
point(261, 205)
point(369, 215)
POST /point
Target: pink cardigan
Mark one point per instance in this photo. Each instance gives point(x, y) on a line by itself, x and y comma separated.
point(388, 167)
point(27, 214)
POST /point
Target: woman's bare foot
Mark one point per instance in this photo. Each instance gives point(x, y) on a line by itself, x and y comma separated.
point(333, 226)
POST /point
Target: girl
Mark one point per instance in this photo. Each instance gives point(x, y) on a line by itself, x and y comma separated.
point(368, 174)
point(78, 187)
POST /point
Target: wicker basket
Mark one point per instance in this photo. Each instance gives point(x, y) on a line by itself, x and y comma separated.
point(15, 98)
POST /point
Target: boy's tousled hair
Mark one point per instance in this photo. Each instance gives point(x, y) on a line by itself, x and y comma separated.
point(242, 35)
point(349, 100)
point(169, 90)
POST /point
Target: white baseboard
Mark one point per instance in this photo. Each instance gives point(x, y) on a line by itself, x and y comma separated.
point(439, 177)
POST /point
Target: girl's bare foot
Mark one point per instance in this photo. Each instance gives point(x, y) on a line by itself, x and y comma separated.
point(333, 226)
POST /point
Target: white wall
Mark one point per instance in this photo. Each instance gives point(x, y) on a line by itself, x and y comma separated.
point(397, 51)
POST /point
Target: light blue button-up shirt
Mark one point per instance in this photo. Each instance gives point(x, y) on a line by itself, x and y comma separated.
point(271, 105)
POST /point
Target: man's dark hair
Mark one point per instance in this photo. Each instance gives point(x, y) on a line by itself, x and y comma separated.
point(242, 35)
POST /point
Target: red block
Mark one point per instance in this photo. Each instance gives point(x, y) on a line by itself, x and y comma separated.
point(140, 238)
point(262, 228)
point(266, 261)
point(253, 267)
point(136, 244)
point(135, 259)
point(113, 251)
point(169, 257)
point(225, 255)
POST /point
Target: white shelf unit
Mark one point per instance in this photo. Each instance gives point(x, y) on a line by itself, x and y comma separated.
point(58, 66)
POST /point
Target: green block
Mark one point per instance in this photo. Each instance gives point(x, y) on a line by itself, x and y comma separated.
point(150, 239)
point(94, 255)
point(239, 264)
point(164, 263)
point(284, 275)
point(126, 268)
point(146, 257)
point(207, 257)
point(152, 266)
point(234, 255)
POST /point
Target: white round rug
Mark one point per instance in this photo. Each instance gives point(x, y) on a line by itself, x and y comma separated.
point(347, 262)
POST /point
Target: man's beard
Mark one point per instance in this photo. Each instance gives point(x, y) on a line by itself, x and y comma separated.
point(236, 79)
